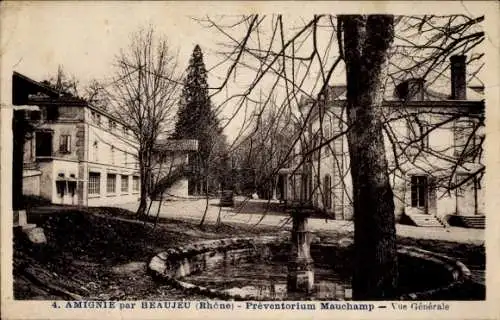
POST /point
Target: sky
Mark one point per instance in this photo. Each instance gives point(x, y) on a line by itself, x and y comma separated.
point(85, 40)
point(85, 37)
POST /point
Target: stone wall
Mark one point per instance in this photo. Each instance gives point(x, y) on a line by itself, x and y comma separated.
point(176, 263)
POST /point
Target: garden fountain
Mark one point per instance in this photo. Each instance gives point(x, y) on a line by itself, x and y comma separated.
point(300, 264)
point(295, 266)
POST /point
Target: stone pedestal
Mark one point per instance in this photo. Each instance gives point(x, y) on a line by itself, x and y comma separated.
point(34, 234)
point(300, 264)
point(20, 218)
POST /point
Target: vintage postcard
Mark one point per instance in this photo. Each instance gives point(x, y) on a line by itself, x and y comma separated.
point(167, 160)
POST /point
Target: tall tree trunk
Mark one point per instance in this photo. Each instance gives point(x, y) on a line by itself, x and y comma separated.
point(367, 40)
point(206, 207)
point(145, 180)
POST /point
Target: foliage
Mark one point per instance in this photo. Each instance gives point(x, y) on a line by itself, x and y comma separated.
point(196, 119)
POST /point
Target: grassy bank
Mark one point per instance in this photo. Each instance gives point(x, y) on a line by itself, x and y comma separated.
point(100, 254)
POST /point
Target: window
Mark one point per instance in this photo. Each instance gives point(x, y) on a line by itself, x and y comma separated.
point(65, 143)
point(35, 115)
point(94, 186)
point(43, 144)
point(52, 113)
point(419, 187)
point(124, 183)
point(99, 119)
point(72, 185)
point(136, 183)
point(61, 184)
point(327, 191)
point(111, 183)
point(316, 146)
point(417, 132)
point(467, 142)
point(112, 155)
point(126, 158)
point(96, 151)
point(327, 132)
point(327, 136)
point(337, 146)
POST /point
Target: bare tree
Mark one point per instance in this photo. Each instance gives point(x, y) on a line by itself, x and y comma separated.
point(366, 43)
point(374, 53)
point(63, 83)
point(96, 94)
point(144, 94)
point(265, 148)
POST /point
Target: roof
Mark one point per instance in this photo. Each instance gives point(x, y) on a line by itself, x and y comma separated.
point(26, 91)
point(337, 96)
point(177, 145)
point(339, 92)
point(432, 98)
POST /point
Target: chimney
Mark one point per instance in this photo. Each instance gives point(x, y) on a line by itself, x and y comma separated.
point(458, 77)
point(411, 90)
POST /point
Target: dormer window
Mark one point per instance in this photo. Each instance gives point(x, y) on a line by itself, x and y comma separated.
point(411, 89)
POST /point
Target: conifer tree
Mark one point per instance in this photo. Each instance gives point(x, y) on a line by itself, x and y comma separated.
point(197, 120)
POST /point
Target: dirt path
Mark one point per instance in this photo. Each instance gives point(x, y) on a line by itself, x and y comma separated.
point(253, 212)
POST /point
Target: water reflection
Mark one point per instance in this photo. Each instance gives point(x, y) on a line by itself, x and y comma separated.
point(268, 281)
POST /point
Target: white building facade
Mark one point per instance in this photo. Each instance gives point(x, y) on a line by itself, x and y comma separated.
point(433, 146)
point(78, 154)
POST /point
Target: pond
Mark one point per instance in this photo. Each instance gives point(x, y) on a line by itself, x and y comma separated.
point(267, 280)
point(258, 269)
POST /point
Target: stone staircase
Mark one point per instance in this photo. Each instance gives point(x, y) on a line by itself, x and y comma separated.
point(474, 222)
point(425, 220)
point(477, 222)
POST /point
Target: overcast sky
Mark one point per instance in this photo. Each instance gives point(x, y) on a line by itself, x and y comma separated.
point(84, 37)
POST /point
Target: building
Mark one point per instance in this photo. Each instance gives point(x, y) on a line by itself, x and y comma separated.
point(433, 145)
point(171, 171)
point(79, 154)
